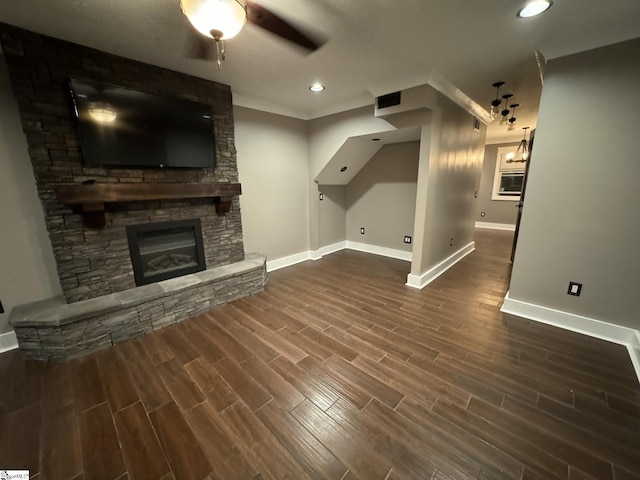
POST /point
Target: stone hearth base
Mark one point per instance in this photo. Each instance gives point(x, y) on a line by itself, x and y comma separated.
point(58, 331)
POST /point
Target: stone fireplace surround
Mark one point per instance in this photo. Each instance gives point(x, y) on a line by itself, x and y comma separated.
point(93, 263)
point(54, 330)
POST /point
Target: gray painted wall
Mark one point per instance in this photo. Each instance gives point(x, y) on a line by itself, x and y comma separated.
point(382, 197)
point(332, 214)
point(326, 136)
point(27, 267)
point(451, 155)
point(273, 168)
point(580, 219)
point(496, 211)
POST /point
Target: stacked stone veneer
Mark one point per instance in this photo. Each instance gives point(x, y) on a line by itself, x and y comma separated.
point(64, 331)
point(93, 262)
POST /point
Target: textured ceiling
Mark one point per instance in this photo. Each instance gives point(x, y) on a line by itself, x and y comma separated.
point(374, 47)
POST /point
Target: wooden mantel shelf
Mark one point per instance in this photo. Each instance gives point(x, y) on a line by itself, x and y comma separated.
point(92, 198)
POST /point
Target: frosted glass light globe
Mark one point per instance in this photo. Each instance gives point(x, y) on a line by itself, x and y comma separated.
point(217, 19)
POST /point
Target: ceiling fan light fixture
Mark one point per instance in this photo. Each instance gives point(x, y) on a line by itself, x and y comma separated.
point(316, 87)
point(536, 7)
point(217, 19)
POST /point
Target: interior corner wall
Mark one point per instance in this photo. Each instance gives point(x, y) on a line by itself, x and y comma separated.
point(382, 197)
point(273, 165)
point(326, 136)
point(580, 218)
point(449, 169)
point(27, 266)
point(332, 214)
point(496, 211)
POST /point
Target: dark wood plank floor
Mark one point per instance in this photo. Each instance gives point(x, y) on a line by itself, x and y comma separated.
point(336, 371)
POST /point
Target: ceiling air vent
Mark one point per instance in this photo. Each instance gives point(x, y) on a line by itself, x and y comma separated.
point(389, 100)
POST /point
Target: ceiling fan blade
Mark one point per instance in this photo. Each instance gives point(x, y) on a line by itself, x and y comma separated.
point(266, 19)
point(199, 47)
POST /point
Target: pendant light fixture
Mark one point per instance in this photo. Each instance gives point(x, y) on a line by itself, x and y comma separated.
point(513, 119)
point(495, 104)
point(505, 112)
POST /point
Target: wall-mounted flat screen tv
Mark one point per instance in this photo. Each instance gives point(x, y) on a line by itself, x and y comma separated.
point(124, 127)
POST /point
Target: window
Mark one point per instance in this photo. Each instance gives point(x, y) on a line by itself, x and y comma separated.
point(509, 175)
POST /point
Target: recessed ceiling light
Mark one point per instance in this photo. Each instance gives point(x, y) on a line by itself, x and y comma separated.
point(536, 7)
point(316, 87)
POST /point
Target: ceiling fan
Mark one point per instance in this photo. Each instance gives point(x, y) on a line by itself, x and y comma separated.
point(218, 20)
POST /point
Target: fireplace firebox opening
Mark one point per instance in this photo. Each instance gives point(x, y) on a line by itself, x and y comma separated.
point(160, 251)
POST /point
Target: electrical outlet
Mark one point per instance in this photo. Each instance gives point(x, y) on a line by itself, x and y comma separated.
point(574, 289)
point(321, 196)
point(451, 242)
point(407, 239)
point(482, 214)
point(362, 230)
point(1, 308)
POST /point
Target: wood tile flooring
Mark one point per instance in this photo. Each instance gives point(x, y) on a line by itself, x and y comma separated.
point(336, 371)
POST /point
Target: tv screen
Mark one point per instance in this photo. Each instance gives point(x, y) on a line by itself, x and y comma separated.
point(123, 127)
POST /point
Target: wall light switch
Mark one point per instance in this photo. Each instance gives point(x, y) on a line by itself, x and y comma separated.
point(362, 230)
point(407, 239)
point(321, 196)
point(574, 289)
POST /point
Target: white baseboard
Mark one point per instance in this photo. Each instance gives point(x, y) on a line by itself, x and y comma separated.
point(496, 226)
point(8, 341)
point(322, 251)
point(634, 352)
point(377, 250)
point(336, 247)
point(628, 337)
point(283, 262)
point(421, 281)
point(279, 263)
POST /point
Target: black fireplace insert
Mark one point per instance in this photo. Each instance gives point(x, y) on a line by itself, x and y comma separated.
point(160, 251)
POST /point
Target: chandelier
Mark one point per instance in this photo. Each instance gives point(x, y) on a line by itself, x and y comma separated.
point(522, 150)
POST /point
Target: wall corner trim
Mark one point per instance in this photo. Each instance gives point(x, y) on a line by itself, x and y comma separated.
point(496, 226)
point(421, 281)
point(290, 260)
point(628, 337)
point(328, 249)
point(8, 341)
